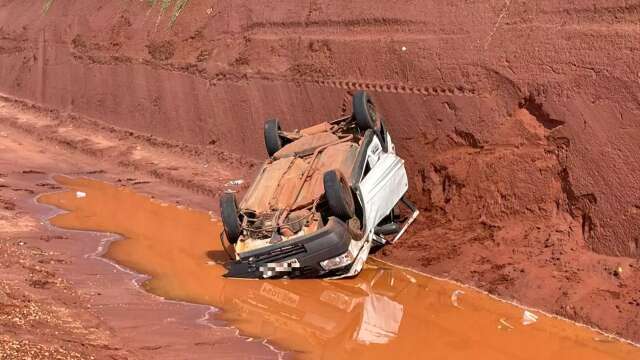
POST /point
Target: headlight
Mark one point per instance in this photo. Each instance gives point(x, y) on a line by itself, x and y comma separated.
point(341, 260)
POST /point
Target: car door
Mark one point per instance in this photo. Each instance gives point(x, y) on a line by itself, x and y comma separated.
point(384, 182)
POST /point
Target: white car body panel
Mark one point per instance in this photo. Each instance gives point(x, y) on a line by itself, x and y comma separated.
point(382, 188)
point(379, 191)
point(374, 151)
point(363, 253)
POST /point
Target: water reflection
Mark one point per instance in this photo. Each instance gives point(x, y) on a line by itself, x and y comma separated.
point(364, 312)
point(384, 313)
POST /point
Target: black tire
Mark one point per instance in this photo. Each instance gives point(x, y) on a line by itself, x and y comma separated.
point(364, 111)
point(272, 139)
point(230, 218)
point(338, 194)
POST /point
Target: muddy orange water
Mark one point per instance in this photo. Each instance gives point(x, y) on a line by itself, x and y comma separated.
point(384, 313)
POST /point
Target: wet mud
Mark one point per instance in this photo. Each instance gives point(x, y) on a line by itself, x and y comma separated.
point(385, 311)
point(57, 297)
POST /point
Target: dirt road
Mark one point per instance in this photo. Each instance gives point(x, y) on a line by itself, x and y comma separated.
point(60, 301)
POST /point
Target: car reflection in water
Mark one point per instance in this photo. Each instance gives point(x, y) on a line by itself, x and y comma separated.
point(333, 312)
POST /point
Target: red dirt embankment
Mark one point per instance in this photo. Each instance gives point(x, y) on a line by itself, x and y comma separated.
point(517, 119)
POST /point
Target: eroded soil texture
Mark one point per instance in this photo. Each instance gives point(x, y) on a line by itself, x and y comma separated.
point(518, 120)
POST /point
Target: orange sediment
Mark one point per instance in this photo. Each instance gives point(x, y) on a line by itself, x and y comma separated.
point(385, 312)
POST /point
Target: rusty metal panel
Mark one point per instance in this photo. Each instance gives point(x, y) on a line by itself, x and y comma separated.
point(289, 184)
point(270, 183)
point(340, 156)
point(278, 182)
point(315, 129)
point(306, 144)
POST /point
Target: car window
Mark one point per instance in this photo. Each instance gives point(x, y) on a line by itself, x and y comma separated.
point(373, 155)
point(384, 136)
point(367, 169)
point(374, 151)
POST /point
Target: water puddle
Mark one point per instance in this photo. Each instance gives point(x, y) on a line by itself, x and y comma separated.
point(386, 312)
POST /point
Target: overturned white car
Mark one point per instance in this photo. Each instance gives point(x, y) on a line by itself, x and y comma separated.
point(324, 197)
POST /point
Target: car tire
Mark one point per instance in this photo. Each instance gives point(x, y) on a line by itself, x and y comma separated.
point(364, 111)
point(272, 138)
point(230, 217)
point(338, 194)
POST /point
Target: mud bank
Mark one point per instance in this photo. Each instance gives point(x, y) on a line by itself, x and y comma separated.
point(517, 119)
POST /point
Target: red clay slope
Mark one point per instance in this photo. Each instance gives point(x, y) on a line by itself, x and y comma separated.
point(518, 119)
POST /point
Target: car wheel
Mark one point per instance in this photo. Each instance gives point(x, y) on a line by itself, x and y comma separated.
point(364, 111)
point(338, 194)
point(230, 219)
point(272, 138)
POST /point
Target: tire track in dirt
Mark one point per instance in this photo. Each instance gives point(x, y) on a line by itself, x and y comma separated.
point(400, 30)
point(237, 77)
point(84, 147)
point(396, 88)
point(379, 22)
point(608, 17)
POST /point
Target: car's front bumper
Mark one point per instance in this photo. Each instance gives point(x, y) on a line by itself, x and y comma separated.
point(299, 257)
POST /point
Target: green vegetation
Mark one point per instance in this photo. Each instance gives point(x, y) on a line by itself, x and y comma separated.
point(178, 6)
point(166, 4)
point(46, 6)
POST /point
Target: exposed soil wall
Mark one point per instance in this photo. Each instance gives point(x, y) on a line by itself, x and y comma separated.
point(518, 119)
